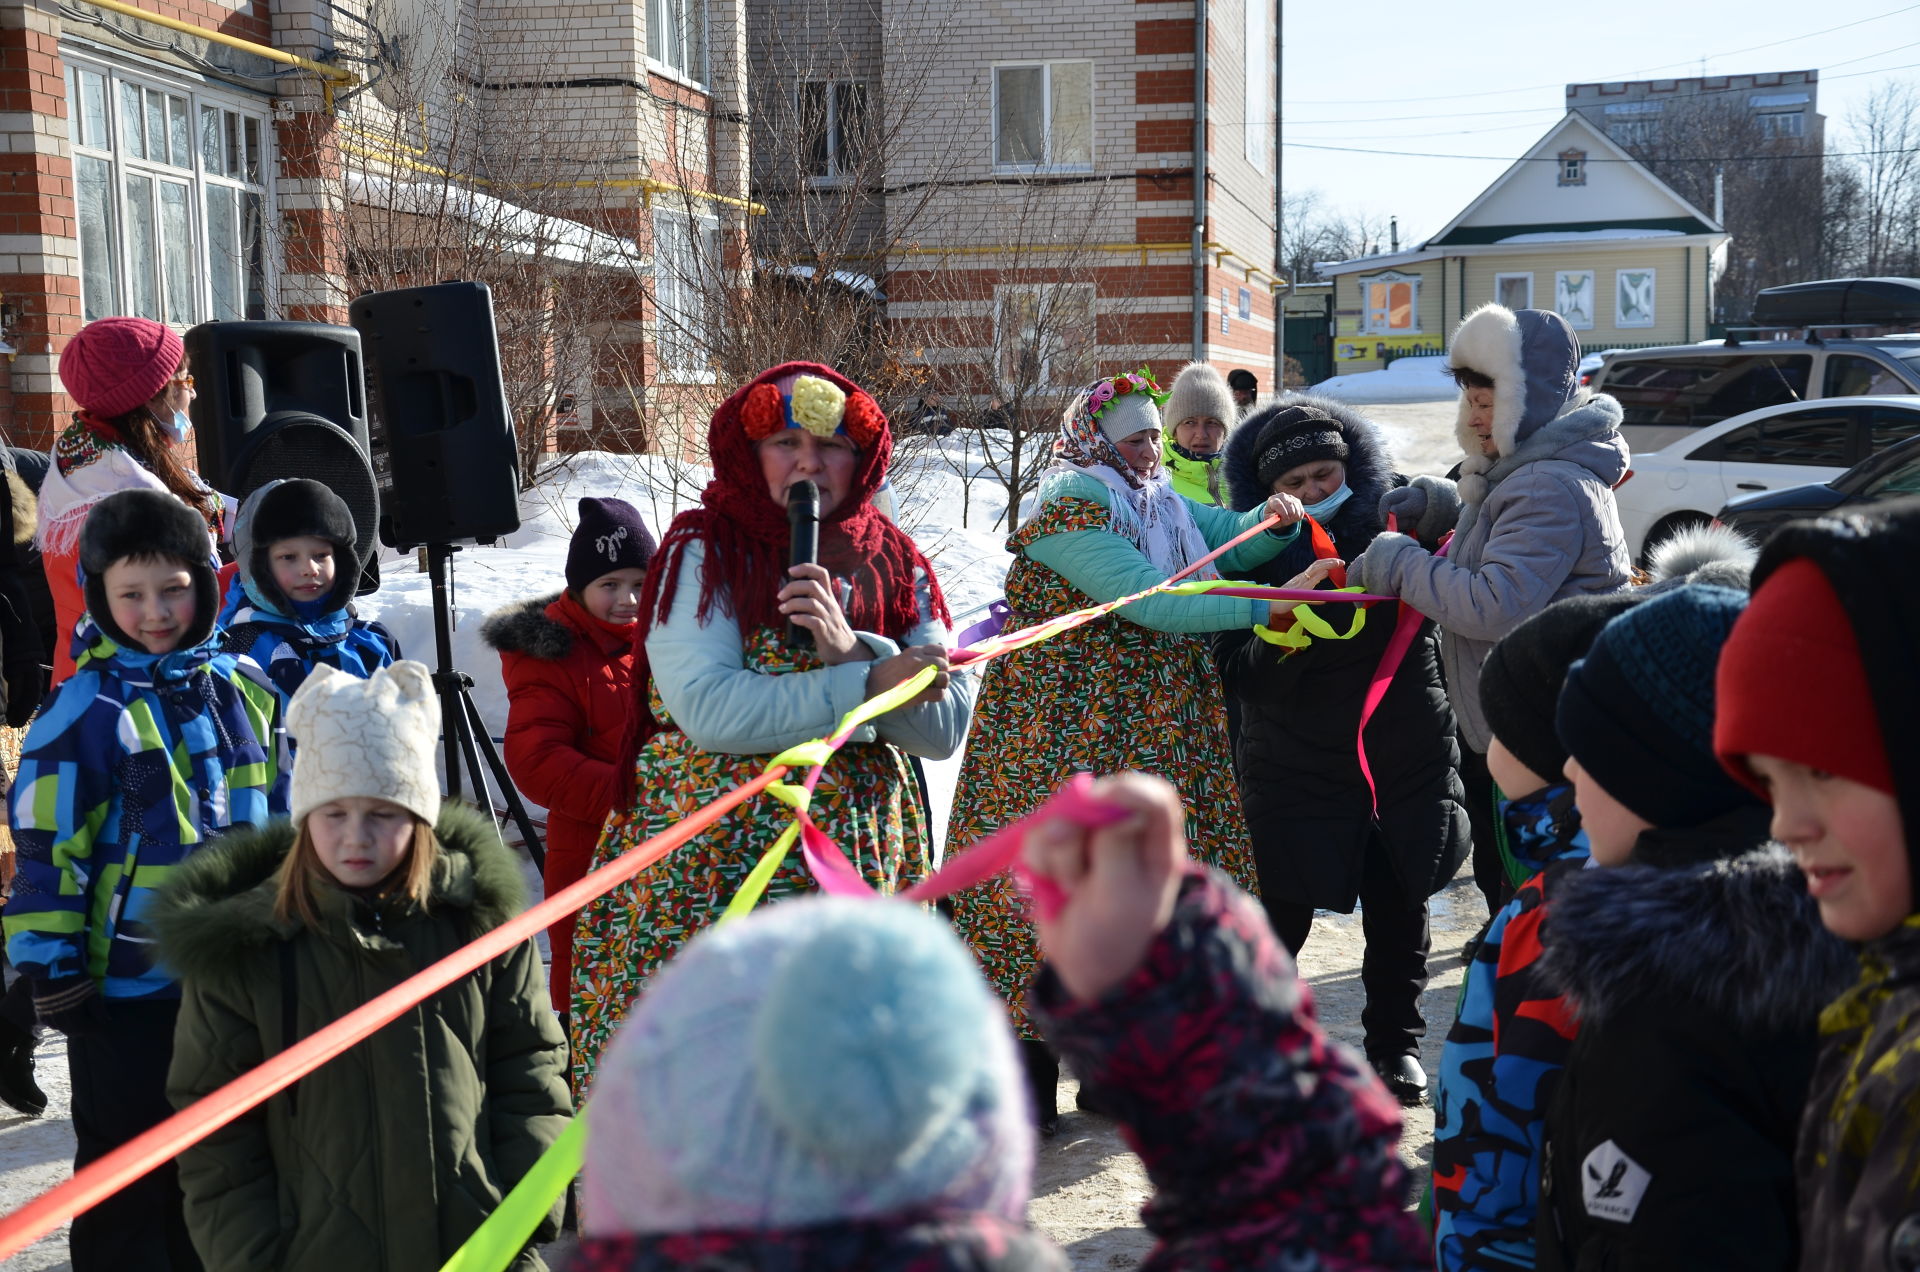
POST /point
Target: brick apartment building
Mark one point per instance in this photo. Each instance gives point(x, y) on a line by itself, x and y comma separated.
point(1027, 203)
point(196, 160)
point(1635, 113)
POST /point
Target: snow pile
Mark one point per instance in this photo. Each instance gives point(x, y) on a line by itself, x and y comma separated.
point(1421, 379)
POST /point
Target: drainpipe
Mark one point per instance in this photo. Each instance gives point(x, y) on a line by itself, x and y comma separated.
point(1199, 180)
point(1279, 218)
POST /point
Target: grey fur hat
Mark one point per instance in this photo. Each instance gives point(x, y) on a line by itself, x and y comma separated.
point(1199, 391)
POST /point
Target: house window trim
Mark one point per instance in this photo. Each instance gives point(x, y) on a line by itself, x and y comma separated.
point(1653, 312)
point(1573, 168)
point(666, 372)
point(1593, 280)
point(1005, 292)
point(1366, 310)
point(833, 180)
point(1046, 125)
point(1501, 278)
point(199, 93)
point(669, 71)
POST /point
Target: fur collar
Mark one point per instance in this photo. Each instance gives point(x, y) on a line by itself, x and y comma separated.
point(1369, 464)
point(525, 627)
point(219, 902)
point(1740, 938)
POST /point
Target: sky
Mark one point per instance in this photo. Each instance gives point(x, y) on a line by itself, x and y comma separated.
point(1479, 77)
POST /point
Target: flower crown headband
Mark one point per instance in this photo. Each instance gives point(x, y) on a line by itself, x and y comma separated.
point(819, 406)
point(1104, 394)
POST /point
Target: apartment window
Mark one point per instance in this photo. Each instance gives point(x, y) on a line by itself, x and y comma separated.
point(686, 252)
point(1392, 304)
point(677, 37)
point(170, 197)
point(1515, 291)
point(1044, 336)
point(1246, 305)
point(1635, 132)
point(1791, 124)
point(1257, 100)
point(1043, 116)
point(833, 119)
point(1633, 299)
point(1573, 297)
point(1573, 167)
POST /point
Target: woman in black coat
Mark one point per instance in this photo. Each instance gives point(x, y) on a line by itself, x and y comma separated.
point(1316, 839)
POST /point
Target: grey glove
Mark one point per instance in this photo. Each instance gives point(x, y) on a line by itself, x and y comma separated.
point(1426, 508)
point(1377, 571)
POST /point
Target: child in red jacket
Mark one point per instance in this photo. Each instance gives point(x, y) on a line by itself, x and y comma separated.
point(568, 664)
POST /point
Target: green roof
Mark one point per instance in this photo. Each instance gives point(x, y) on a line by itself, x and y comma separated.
point(1473, 235)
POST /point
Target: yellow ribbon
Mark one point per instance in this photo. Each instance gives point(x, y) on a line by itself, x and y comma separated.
point(1308, 626)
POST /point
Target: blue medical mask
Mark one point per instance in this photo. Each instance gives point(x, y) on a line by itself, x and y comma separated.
point(178, 426)
point(1331, 504)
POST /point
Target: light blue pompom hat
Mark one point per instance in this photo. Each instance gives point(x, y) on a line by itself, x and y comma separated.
point(824, 1059)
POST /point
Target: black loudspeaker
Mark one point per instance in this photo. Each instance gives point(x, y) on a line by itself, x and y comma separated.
point(433, 363)
point(286, 399)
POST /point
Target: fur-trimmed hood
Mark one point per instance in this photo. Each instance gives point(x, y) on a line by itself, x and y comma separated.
point(1739, 937)
point(219, 902)
point(1369, 463)
point(1533, 359)
point(525, 627)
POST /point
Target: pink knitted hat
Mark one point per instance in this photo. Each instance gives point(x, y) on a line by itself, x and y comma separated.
point(115, 364)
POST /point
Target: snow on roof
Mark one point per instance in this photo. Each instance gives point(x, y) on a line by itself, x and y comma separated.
point(862, 283)
point(1580, 236)
point(524, 230)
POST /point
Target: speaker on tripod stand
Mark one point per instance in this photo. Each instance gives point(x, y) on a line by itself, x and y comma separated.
point(286, 399)
point(433, 365)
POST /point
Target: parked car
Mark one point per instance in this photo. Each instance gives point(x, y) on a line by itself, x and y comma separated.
point(1669, 395)
point(1592, 362)
point(1797, 444)
point(1892, 473)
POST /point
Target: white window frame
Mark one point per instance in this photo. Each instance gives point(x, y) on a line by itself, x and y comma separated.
point(1619, 295)
point(1573, 167)
point(1256, 98)
point(692, 64)
point(251, 192)
point(1002, 296)
point(1560, 293)
point(834, 176)
point(1048, 164)
point(1368, 327)
point(1634, 132)
point(678, 301)
point(1773, 125)
point(1499, 279)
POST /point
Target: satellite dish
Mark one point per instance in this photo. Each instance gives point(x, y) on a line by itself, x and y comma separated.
point(418, 41)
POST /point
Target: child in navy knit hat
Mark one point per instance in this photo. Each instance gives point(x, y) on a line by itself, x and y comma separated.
point(1694, 961)
point(568, 664)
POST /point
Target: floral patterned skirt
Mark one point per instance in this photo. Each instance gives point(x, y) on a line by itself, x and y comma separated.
point(867, 802)
point(1102, 698)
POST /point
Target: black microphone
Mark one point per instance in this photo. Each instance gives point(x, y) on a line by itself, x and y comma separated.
point(803, 520)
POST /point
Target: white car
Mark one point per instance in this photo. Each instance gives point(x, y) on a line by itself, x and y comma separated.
point(1686, 481)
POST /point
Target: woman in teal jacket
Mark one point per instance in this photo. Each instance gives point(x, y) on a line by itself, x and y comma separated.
point(1135, 689)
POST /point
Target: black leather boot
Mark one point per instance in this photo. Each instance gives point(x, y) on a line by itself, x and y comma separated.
point(1043, 1084)
point(18, 1090)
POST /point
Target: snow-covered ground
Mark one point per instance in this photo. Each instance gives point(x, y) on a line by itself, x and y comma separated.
point(944, 497)
point(1403, 380)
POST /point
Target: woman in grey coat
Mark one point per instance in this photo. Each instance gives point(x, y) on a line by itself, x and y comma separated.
point(1533, 518)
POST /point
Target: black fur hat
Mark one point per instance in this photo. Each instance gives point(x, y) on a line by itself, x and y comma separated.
point(287, 509)
point(147, 523)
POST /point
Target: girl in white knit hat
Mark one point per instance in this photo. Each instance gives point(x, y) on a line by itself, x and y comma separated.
point(389, 1155)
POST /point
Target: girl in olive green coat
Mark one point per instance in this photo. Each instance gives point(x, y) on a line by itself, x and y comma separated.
point(388, 1156)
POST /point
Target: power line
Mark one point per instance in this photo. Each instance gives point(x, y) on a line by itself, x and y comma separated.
point(1500, 92)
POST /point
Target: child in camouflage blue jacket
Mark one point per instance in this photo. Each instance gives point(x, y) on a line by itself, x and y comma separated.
point(147, 753)
point(289, 607)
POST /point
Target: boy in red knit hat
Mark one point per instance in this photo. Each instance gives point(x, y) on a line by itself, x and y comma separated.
point(1817, 687)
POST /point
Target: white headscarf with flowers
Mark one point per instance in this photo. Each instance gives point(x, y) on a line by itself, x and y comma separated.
point(1147, 511)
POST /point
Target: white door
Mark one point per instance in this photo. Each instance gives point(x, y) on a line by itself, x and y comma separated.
point(1793, 448)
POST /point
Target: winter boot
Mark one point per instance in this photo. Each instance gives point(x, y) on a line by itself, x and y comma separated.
point(17, 1087)
point(1043, 1084)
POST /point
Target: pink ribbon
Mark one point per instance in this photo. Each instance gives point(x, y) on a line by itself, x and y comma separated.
point(1406, 627)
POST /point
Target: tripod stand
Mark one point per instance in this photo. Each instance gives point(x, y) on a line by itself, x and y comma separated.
point(462, 731)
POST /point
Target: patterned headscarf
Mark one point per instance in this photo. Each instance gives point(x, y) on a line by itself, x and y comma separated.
point(1147, 511)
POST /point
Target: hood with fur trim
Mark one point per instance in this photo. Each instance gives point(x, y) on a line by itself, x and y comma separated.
point(1369, 463)
point(1739, 937)
point(1533, 358)
point(218, 904)
point(525, 627)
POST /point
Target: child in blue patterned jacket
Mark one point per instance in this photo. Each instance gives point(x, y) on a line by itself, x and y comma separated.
point(290, 606)
point(148, 752)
